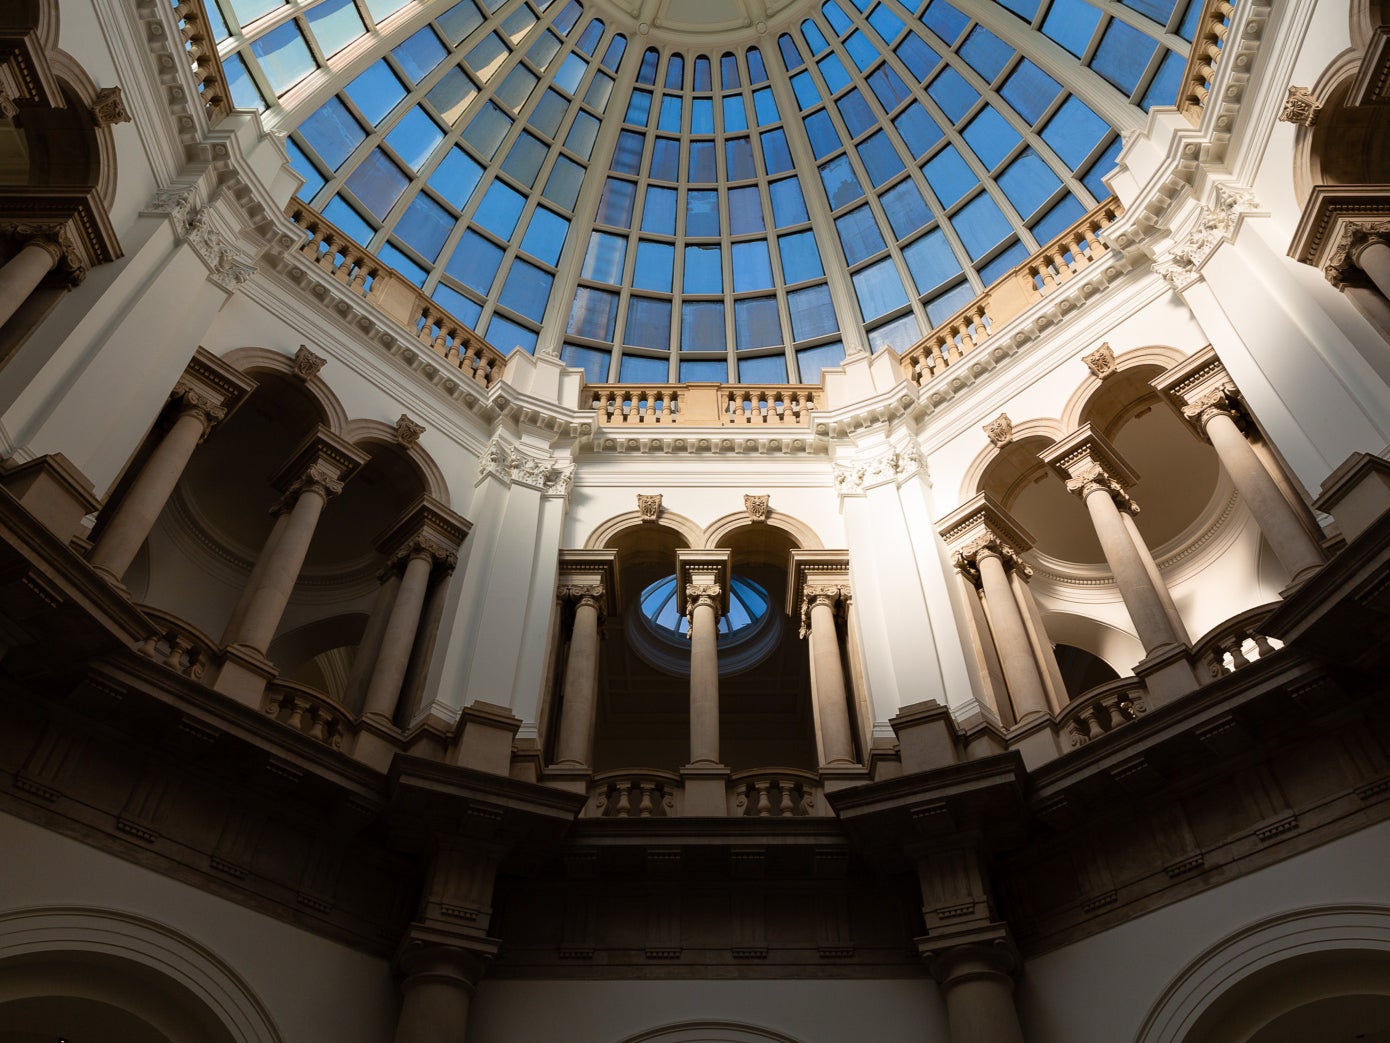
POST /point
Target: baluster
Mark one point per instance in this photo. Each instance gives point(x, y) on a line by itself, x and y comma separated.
point(624, 803)
point(1238, 651)
point(1262, 645)
point(764, 803)
point(177, 647)
point(318, 727)
point(786, 786)
point(644, 806)
point(297, 709)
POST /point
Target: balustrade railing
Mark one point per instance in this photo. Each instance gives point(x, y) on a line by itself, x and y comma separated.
point(775, 793)
point(753, 405)
point(634, 793)
point(307, 710)
point(635, 403)
point(1236, 643)
point(1102, 709)
point(1207, 44)
point(1013, 294)
point(333, 252)
point(176, 644)
point(703, 405)
point(208, 77)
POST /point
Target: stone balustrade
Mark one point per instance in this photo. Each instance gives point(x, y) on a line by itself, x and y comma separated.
point(775, 793)
point(198, 41)
point(634, 793)
point(1236, 643)
point(1011, 295)
point(703, 405)
point(307, 710)
point(333, 252)
point(182, 648)
point(1101, 710)
point(1207, 43)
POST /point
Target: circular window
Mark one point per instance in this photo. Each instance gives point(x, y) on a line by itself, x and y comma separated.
point(660, 629)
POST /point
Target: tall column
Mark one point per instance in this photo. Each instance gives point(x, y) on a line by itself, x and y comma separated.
point(977, 985)
point(1371, 254)
point(1200, 389)
point(703, 608)
point(24, 271)
point(422, 549)
point(437, 986)
point(818, 602)
point(986, 542)
point(362, 663)
point(1094, 471)
point(313, 476)
point(207, 393)
point(574, 747)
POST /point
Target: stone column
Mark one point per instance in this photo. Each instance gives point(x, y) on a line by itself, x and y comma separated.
point(985, 542)
point(574, 747)
point(208, 391)
point(703, 602)
point(437, 986)
point(818, 603)
point(398, 637)
point(313, 476)
point(991, 561)
point(977, 985)
point(1203, 393)
point(367, 648)
point(1372, 255)
point(1094, 471)
point(24, 271)
point(422, 549)
point(140, 507)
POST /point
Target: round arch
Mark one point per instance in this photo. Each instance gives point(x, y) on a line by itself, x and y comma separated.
point(976, 475)
point(168, 966)
point(80, 88)
point(1272, 968)
point(364, 433)
point(1081, 400)
point(252, 360)
point(1118, 648)
point(605, 532)
point(802, 534)
point(710, 1032)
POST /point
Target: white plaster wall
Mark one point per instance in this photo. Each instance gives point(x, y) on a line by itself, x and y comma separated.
point(313, 988)
point(1100, 990)
point(809, 1011)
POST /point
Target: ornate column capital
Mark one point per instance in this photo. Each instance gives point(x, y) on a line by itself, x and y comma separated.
point(982, 526)
point(1086, 461)
point(813, 594)
point(321, 464)
point(888, 465)
point(590, 575)
point(1182, 265)
point(697, 594)
point(515, 465)
point(816, 576)
point(427, 528)
point(1198, 388)
point(1338, 222)
point(53, 238)
point(189, 400)
point(704, 575)
point(1222, 401)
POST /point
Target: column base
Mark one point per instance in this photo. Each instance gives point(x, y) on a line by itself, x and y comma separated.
point(572, 778)
point(485, 736)
point(706, 787)
point(1035, 738)
point(1168, 674)
point(243, 675)
point(926, 736)
point(1301, 577)
point(54, 491)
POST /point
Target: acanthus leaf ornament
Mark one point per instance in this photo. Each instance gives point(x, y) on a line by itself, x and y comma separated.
point(408, 432)
point(823, 594)
point(756, 506)
point(1182, 266)
point(1301, 107)
point(649, 506)
point(697, 594)
point(1092, 477)
point(307, 364)
point(1000, 430)
point(886, 467)
point(108, 107)
point(1100, 362)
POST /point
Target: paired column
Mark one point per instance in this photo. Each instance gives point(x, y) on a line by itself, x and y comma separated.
point(818, 589)
point(313, 476)
point(587, 584)
point(1094, 471)
point(985, 544)
point(702, 578)
point(422, 548)
point(208, 391)
point(1200, 389)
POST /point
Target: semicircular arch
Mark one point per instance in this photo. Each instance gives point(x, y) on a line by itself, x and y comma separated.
point(802, 535)
point(365, 433)
point(606, 532)
point(1090, 392)
point(982, 472)
point(710, 1032)
point(251, 360)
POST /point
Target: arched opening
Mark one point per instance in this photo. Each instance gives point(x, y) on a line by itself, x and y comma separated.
point(1081, 670)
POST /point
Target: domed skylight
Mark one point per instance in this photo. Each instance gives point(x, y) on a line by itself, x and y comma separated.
point(748, 603)
point(655, 208)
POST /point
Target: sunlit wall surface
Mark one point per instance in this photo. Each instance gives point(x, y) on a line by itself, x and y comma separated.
point(846, 180)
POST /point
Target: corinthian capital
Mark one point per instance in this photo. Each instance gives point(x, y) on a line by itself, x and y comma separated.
point(1093, 478)
point(697, 594)
point(813, 594)
point(191, 401)
point(1222, 401)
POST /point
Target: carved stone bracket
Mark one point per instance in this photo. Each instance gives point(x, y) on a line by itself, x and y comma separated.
point(589, 575)
point(408, 432)
point(1000, 430)
point(1100, 362)
point(756, 506)
point(649, 506)
point(109, 108)
point(1300, 107)
point(307, 364)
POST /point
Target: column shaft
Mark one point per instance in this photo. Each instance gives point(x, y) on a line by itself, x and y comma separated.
point(284, 557)
point(837, 743)
point(22, 274)
point(1145, 608)
point(704, 683)
point(136, 514)
point(388, 672)
point(1010, 637)
point(1374, 260)
point(370, 645)
point(1287, 536)
point(980, 1003)
point(1165, 596)
point(253, 582)
point(579, 706)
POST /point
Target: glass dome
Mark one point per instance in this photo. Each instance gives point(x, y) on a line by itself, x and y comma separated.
point(748, 603)
point(656, 208)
